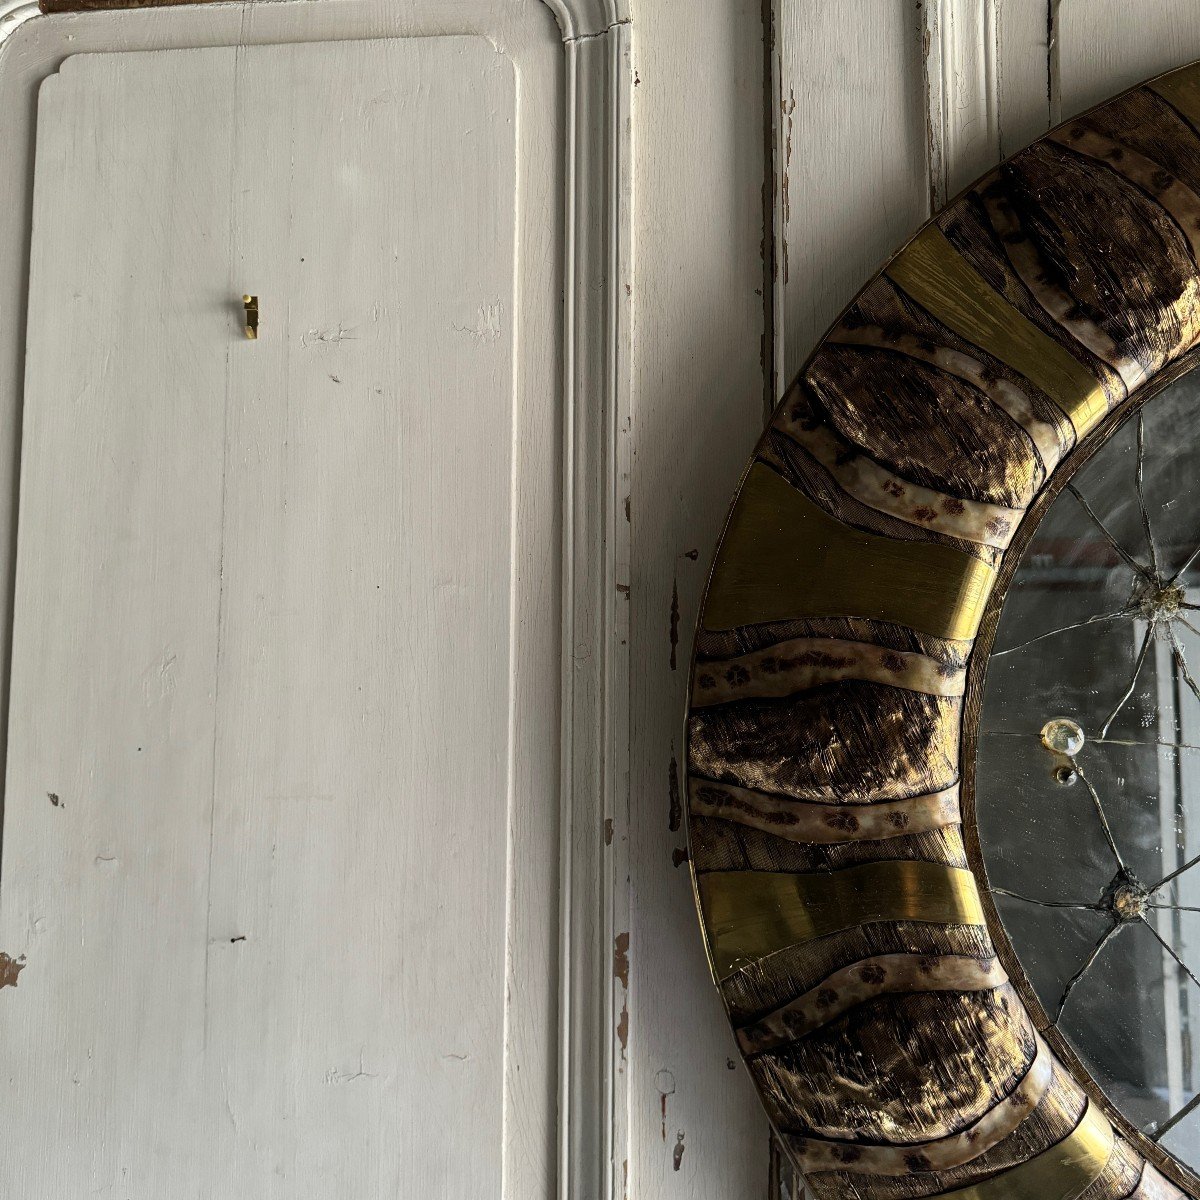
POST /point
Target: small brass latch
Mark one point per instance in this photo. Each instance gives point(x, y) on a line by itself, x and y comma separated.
point(251, 306)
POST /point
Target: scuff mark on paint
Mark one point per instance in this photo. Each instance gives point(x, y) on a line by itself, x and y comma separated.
point(10, 968)
point(677, 1153)
point(326, 337)
point(621, 959)
point(487, 324)
point(665, 1082)
point(675, 818)
point(674, 624)
point(335, 1076)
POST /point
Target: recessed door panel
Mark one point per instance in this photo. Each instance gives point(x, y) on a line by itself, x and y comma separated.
point(258, 783)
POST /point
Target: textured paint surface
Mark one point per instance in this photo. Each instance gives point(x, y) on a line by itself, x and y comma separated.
point(256, 618)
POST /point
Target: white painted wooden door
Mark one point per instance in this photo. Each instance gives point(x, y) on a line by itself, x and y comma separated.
point(272, 751)
point(859, 118)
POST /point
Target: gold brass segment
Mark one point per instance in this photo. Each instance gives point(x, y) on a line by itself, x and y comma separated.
point(752, 914)
point(938, 278)
point(1064, 1172)
point(783, 558)
point(250, 303)
point(1181, 90)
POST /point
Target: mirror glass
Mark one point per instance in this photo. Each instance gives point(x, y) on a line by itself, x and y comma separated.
point(1088, 775)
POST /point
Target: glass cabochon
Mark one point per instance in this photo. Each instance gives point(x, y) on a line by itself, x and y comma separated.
point(1088, 776)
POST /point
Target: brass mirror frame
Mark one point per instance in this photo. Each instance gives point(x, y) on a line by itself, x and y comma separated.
point(840, 659)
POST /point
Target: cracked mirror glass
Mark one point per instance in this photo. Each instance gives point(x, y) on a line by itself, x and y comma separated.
point(1088, 771)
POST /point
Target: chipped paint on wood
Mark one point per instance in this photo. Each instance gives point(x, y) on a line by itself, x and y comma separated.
point(675, 813)
point(621, 959)
point(674, 624)
point(10, 968)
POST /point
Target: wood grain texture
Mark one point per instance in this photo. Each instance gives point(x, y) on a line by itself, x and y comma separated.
point(698, 110)
point(849, 77)
point(698, 122)
point(67, 6)
point(251, 967)
point(999, 344)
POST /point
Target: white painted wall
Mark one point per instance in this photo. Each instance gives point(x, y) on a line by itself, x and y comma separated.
point(697, 1131)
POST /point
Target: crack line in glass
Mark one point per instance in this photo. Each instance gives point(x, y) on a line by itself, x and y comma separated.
point(1045, 903)
point(1097, 950)
point(1160, 602)
point(1136, 566)
point(1139, 472)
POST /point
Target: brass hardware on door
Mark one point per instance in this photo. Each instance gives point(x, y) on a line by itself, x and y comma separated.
point(251, 305)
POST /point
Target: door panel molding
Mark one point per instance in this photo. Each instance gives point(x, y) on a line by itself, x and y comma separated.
point(594, 862)
point(593, 164)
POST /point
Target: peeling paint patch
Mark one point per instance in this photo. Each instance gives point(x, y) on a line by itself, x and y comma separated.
point(789, 107)
point(623, 1028)
point(10, 968)
point(665, 1082)
point(674, 624)
point(335, 1076)
point(679, 856)
point(326, 337)
point(621, 959)
point(677, 1153)
point(675, 818)
point(53, 798)
point(692, 554)
point(487, 324)
point(608, 831)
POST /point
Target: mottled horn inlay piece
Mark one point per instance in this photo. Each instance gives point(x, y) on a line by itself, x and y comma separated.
point(898, 1046)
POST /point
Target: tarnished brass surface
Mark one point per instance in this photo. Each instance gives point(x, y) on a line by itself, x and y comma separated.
point(751, 914)
point(1064, 1172)
point(783, 557)
point(1181, 90)
point(938, 278)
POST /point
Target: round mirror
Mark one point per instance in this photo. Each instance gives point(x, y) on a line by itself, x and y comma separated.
point(1088, 769)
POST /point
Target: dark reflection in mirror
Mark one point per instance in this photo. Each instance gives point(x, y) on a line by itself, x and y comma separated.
point(1088, 777)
